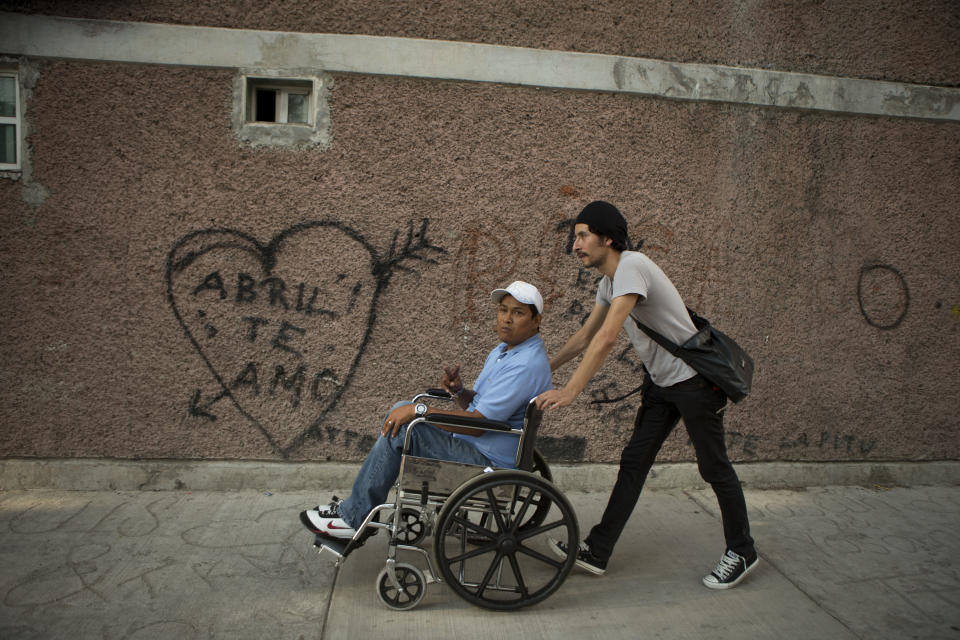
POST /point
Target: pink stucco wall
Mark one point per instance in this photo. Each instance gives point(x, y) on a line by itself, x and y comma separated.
point(825, 243)
point(911, 41)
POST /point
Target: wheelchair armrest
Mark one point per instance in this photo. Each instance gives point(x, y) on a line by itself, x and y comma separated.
point(437, 394)
point(464, 421)
point(456, 421)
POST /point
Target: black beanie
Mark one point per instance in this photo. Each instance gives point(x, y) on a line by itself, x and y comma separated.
point(606, 220)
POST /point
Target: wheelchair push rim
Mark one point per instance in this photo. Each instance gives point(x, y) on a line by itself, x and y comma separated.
point(501, 562)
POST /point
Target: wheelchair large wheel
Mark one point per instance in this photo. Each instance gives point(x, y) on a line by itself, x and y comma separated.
point(413, 585)
point(501, 562)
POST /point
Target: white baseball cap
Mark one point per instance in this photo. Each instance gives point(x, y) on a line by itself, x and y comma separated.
point(522, 292)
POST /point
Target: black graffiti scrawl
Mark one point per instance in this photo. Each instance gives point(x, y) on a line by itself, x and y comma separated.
point(282, 326)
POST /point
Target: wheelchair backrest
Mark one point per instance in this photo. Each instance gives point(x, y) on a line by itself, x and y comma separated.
point(528, 439)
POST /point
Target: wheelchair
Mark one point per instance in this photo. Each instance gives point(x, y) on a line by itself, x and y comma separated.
point(490, 526)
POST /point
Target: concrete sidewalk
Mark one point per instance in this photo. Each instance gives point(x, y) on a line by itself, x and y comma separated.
point(836, 562)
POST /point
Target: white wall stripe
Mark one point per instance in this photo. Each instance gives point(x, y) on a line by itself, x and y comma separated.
point(134, 42)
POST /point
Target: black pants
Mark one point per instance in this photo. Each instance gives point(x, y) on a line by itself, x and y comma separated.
point(697, 401)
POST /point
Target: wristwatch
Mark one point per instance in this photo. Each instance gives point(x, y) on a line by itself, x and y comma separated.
point(420, 409)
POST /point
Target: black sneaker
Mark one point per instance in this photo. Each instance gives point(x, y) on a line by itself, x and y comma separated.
point(585, 558)
point(731, 569)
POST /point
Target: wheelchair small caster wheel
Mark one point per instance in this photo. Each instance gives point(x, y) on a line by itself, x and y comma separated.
point(412, 528)
point(412, 582)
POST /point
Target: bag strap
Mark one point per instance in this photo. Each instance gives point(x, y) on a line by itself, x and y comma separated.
point(663, 341)
point(623, 397)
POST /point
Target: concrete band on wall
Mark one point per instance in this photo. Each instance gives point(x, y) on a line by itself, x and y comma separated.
point(101, 40)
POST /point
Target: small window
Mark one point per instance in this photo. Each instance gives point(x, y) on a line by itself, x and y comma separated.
point(9, 121)
point(279, 101)
point(281, 108)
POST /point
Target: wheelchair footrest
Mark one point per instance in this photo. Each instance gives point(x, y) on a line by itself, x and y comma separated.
point(338, 547)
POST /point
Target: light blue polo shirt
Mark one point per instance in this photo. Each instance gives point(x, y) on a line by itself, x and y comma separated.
point(508, 381)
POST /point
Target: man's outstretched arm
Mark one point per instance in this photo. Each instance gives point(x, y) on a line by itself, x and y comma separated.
point(580, 340)
point(597, 351)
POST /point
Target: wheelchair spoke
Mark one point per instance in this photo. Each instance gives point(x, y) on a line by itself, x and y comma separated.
point(519, 517)
point(489, 575)
point(501, 524)
point(515, 566)
point(535, 496)
point(537, 502)
point(553, 562)
point(475, 528)
point(523, 535)
point(472, 554)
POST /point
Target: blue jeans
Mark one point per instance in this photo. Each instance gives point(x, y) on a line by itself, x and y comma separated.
point(379, 471)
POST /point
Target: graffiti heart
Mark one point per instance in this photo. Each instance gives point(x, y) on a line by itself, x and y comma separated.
point(282, 326)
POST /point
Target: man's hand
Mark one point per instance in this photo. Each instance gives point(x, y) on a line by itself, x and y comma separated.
point(399, 416)
point(555, 398)
point(451, 382)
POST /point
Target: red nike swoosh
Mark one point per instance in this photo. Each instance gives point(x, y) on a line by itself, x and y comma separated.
point(333, 526)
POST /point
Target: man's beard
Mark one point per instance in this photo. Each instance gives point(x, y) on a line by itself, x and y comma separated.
point(591, 263)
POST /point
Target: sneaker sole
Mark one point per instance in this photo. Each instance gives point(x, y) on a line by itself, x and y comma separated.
point(731, 585)
point(597, 571)
point(309, 525)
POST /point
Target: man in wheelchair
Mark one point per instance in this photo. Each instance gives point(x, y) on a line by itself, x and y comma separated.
point(515, 371)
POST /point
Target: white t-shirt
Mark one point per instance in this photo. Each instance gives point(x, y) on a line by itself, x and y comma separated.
point(660, 307)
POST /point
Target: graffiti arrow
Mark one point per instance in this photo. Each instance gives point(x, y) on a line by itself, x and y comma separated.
point(198, 410)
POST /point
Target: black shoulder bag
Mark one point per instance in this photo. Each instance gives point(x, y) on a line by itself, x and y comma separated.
point(712, 354)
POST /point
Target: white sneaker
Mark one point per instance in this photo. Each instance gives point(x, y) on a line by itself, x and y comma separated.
point(327, 522)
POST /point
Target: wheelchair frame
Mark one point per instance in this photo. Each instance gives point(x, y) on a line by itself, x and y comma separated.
point(473, 512)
